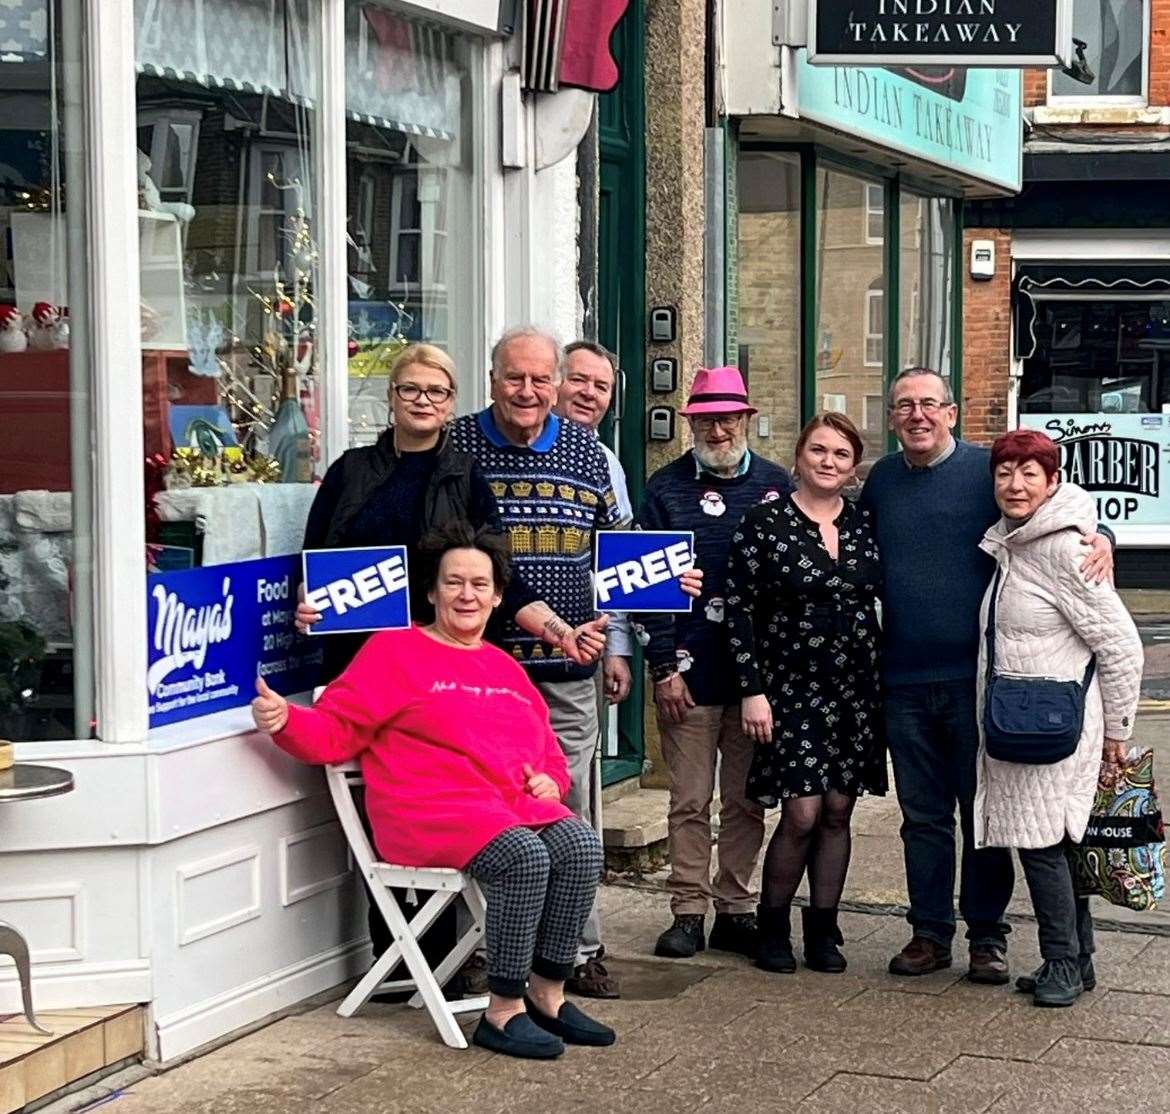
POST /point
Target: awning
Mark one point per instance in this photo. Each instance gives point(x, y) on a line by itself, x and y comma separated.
point(1113, 281)
point(250, 46)
point(400, 74)
point(24, 30)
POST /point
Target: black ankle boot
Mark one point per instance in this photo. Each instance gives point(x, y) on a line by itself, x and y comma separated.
point(821, 937)
point(775, 940)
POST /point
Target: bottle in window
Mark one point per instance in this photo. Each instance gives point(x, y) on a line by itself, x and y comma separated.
point(288, 439)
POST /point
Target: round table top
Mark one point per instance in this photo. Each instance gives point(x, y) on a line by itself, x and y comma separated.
point(27, 782)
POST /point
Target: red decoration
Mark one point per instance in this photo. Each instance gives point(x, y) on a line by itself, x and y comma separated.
point(586, 61)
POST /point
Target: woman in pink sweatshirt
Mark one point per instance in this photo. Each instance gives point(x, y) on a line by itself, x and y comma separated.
point(463, 770)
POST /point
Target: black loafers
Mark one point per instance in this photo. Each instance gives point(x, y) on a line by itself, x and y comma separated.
point(572, 1025)
point(519, 1037)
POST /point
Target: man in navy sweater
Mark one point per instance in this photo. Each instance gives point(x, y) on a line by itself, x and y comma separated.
point(932, 503)
point(706, 490)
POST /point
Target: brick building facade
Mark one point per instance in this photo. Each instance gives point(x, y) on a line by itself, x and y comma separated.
point(1071, 327)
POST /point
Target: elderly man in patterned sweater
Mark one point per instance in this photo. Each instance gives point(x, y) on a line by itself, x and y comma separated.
point(551, 481)
point(708, 490)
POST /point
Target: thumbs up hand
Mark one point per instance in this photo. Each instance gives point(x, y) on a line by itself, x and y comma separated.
point(269, 709)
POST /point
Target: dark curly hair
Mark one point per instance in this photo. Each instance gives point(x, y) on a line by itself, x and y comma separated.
point(459, 534)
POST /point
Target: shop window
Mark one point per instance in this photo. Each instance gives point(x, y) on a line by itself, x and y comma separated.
point(926, 274)
point(875, 326)
point(46, 645)
point(850, 288)
point(768, 243)
point(1098, 357)
point(227, 97)
point(875, 213)
point(1117, 51)
point(414, 237)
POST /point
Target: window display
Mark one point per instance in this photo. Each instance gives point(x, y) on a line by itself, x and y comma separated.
point(46, 647)
point(227, 98)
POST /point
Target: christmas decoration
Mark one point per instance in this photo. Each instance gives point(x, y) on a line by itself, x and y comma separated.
point(48, 328)
point(12, 337)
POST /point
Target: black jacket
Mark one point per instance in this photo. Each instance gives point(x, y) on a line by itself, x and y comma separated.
point(456, 489)
point(358, 473)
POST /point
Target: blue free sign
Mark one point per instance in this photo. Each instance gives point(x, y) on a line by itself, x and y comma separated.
point(638, 570)
point(211, 632)
point(362, 589)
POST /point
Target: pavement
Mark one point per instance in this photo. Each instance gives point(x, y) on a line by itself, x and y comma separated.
point(714, 1034)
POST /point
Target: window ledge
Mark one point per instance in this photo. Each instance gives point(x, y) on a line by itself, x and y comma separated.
point(1117, 114)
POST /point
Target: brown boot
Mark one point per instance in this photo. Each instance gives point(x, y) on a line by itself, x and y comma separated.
point(920, 957)
point(988, 964)
point(592, 980)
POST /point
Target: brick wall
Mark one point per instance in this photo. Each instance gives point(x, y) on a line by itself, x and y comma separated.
point(986, 341)
point(1160, 52)
point(1036, 87)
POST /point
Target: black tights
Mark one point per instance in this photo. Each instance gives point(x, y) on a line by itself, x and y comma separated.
point(812, 831)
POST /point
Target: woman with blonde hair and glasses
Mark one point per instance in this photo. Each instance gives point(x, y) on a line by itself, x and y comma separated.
point(801, 609)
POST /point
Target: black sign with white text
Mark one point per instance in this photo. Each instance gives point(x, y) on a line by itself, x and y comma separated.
point(939, 32)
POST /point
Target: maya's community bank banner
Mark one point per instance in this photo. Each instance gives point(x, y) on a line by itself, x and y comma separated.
point(1122, 459)
point(638, 570)
point(212, 631)
point(362, 589)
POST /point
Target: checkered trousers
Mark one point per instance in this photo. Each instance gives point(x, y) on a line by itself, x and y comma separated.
point(539, 887)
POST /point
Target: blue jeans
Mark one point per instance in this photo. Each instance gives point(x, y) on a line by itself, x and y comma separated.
point(933, 740)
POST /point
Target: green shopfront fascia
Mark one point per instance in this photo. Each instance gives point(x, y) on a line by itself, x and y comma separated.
point(846, 266)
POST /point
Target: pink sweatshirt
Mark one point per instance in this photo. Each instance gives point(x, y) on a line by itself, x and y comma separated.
point(443, 735)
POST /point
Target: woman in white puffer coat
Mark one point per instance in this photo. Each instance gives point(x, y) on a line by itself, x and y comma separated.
point(1048, 623)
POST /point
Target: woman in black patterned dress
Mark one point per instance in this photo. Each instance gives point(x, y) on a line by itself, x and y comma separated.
point(802, 588)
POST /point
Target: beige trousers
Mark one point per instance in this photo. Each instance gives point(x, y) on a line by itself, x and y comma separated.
point(691, 749)
point(572, 710)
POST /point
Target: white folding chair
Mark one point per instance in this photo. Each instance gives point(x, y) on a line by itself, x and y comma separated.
point(443, 885)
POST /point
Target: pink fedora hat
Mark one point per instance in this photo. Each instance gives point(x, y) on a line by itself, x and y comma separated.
point(718, 390)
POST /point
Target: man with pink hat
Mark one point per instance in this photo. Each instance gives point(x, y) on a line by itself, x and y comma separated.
point(707, 490)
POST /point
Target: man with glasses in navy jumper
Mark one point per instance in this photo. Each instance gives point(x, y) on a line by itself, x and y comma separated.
point(932, 501)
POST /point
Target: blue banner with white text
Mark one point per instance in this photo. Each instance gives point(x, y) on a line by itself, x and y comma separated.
point(363, 589)
point(212, 631)
point(638, 570)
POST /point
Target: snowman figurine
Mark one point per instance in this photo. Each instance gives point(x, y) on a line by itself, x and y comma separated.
point(12, 338)
point(49, 329)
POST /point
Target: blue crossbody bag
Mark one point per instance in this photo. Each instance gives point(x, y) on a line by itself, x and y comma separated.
point(1035, 721)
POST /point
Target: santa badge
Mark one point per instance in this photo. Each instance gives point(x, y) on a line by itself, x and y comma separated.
point(770, 496)
point(714, 609)
point(712, 503)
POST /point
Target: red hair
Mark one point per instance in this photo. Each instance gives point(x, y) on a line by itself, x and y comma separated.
point(1026, 444)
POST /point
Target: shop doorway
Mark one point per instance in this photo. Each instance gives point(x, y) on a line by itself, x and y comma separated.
point(621, 285)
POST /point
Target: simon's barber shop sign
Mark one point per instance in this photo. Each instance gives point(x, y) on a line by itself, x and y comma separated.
point(940, 32)
point(1121, 459)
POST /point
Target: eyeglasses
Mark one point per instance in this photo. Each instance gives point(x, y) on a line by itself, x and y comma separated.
point(710, 421)
point(927, 405)
point(410, 392)
point(515, 382)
